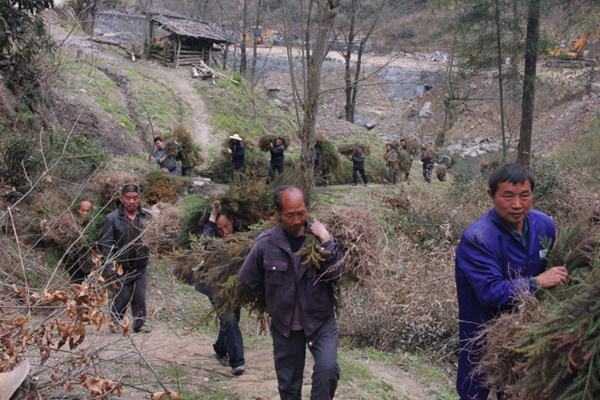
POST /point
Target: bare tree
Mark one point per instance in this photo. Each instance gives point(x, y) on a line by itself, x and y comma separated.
point(317, 18)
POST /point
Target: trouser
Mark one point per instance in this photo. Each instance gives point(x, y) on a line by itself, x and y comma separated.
point(355, 175)
point(427, 172)
point(407, 172)
point(230, 339)
point(133, 291)
point(173, 172)
point(392, 171)
point(273, 168)
point(187, 171)
point(238, 175)
point(290, 353)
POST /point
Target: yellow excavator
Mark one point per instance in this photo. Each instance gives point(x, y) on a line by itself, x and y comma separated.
point(573, 56)
point(263, 37)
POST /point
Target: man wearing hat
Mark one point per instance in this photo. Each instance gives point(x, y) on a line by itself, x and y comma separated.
point(238, 157)
point(121, 243)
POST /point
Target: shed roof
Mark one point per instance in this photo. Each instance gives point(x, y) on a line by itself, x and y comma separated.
point(189, 28)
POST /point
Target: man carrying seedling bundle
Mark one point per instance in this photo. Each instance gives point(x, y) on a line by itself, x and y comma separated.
point(121, 242)
point(238, 157)
point(298, 294)
point(277, 158)
point(358, 165)
point(391, 159)
point(164, 159)
point(77, 262)
point(229, 347)
point(499, 256)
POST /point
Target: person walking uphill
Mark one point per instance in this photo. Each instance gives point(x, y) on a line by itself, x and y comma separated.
point(238, 157)
point(165, 161)
point(500, 255)
point(358, 165)
point(121, 242)
point(299, 298)
point(277, 158)
point(391, 159)
point(229, 347)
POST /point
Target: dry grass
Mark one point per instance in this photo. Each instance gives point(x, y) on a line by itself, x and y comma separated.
point(163, 229)
point(106, 186)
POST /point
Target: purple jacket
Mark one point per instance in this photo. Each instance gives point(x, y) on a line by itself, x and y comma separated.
point(272, 272)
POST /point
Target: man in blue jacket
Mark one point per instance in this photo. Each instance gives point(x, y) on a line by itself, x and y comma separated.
point(299, 297)
point(500, 255)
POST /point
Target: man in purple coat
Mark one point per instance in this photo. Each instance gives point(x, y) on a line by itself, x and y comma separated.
point(500, 255)
point(299, 297)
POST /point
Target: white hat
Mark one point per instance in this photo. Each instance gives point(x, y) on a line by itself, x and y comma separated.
point(236, 137)
point(10, 381)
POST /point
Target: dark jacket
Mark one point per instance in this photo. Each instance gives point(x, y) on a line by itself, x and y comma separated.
point(492, 267)
point(273, 273)
point(238, 156)
point(277, 156)
point(358, 160)
point(170, 162)
point(115, 240)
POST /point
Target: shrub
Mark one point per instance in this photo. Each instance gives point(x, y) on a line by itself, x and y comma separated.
point(22, 163)
point(79, 156)
point(159, 187)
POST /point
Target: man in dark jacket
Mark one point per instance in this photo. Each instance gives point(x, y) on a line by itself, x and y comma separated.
point(358, 165)
point(391, 160)
point(229, 347)
point(166, 161)
point(121, 243)
point(299, 297)
point(238, 157)
point(500, 255)
point(277, 158)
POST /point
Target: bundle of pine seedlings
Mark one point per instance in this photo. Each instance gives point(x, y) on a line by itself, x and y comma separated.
point(191, 153)
point(264, 143)
point(162, 229)
point(349, 150)
point(329, 161)
point(549, 347)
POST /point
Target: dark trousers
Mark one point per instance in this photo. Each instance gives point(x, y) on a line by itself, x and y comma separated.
point(290, 354)
point(77, 275)
point(392, 171)
point(427, 172)
point(134, 291)
point(273, 168)
point(362, 175)
point(230, 339)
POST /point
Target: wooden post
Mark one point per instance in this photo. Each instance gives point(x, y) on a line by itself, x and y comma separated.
point(226, 50)
point(178, 51)
point(149, 37)
point(167, 45)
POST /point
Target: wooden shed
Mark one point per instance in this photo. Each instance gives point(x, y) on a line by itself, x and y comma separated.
point(186, 41)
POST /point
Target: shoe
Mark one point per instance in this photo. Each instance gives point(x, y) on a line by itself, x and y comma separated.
point(237, 371)
point(353, 184)
point(366, 184)
point(223, 360)
point(143, 329)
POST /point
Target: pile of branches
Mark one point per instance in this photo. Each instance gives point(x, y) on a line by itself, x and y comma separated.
point(264, 143)
point(61, 230)
point(214, 263)
point(413, 146)
point(106, 186)
point(158, 186)
point(550, 347)
point(160, 235)
point(247, 204)
point(358, 238)
point(190, 153)
point(329, 161)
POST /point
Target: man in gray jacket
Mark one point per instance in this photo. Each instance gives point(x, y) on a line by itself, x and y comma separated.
point(358, 165)
point(121, 243)
point(299, 297)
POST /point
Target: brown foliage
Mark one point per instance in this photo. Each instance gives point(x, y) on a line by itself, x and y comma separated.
point(264, 143)
point(358, 238)
point(159, 187)
point(349, 149)
point(107, 185)
point(164, 227)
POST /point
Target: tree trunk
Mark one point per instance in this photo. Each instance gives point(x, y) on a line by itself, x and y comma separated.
point(500, 75)
point(531, 53)
point(243, 54)
point(327, 11)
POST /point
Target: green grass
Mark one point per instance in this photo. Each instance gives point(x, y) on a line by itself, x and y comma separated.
point(82, 77)
point(185, 382)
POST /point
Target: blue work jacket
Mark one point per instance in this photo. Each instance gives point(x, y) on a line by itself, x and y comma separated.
point(492, 268)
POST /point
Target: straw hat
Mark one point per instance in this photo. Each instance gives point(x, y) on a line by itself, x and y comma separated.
point(10, 381)
point(236, 137)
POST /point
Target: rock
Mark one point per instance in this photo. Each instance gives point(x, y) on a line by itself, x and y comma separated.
point(426, 111)
point(278, 103)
